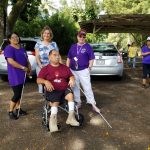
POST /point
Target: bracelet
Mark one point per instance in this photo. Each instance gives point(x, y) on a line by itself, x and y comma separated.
point(22, 67)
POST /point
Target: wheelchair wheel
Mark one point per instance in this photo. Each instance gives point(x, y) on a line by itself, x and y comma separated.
point(80, 118)
point(45, 119)
point(46, 125)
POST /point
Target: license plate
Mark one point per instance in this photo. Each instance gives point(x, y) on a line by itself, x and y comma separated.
point(100, 62)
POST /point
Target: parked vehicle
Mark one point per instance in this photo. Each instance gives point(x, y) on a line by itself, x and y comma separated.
point(124, 54)
point(28, 44)
point(108, 61)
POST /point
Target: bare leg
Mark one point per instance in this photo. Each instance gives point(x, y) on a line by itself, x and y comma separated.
point(18, 105)
point(12, 106)
point(144, 81)
point(71, 117)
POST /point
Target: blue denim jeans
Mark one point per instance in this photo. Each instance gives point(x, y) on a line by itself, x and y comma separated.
point(132, 61)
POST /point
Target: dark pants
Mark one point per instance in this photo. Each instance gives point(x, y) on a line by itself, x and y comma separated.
point(17, 92)
point(146, 71)
point(57, 96)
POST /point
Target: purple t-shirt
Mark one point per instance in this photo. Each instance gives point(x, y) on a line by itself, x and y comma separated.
point(146, 59)
point(15, 75)
point(80, 55)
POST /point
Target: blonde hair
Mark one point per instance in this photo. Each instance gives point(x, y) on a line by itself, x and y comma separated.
point(46, 28)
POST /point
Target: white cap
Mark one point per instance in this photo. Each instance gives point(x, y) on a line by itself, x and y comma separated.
point(148, 39)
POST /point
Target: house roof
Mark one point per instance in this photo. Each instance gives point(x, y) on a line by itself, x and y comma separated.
point(118, 24)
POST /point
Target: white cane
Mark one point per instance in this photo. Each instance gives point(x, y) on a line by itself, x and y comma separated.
point(98, 112)
point(22, 94)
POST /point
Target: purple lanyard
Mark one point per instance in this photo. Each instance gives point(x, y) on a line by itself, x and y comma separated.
point(79, 49)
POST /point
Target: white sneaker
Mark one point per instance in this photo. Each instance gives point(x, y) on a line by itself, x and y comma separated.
point(95, 108)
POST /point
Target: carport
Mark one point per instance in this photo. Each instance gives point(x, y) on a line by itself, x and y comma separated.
point(139, 23)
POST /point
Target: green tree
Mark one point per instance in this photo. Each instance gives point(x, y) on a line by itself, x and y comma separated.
point(126, 7)
point(64, 29)
point(83, 9)
point(3, 13)
point(25, 9)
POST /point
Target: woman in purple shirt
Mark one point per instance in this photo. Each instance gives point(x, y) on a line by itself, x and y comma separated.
point(17, 64)
point(146, 62)
point(80, 60)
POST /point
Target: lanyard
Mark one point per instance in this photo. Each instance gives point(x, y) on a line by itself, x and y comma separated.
point(79, 49)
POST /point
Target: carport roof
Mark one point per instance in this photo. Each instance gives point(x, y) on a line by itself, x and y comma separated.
point(118, 24)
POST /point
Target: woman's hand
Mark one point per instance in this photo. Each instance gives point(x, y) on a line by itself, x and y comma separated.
point(41, 66)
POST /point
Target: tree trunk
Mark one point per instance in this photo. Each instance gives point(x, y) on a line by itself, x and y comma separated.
point(14, 14)
point(3, 16)
point(1, 24)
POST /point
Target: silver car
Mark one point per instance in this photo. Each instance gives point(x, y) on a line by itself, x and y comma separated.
point(108, 61)
point(28, 44)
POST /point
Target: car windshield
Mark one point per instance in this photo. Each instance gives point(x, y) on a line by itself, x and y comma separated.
point(27, 45)
point(104, 48)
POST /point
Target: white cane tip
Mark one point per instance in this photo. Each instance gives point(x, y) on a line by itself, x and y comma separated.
point(30, 77)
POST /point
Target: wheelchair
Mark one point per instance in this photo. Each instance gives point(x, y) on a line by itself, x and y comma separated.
point(46, 110)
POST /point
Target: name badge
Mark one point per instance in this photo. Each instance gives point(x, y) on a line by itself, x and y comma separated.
point(75, 58)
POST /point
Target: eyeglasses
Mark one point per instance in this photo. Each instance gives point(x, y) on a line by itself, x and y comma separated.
point(14, 37)
point(83, 37)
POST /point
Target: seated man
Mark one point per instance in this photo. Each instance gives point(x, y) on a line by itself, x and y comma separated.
point(58, 79)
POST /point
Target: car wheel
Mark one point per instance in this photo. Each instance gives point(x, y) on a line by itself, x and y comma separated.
point(4, 78)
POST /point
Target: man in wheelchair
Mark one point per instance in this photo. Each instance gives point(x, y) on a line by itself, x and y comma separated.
point(58, 81)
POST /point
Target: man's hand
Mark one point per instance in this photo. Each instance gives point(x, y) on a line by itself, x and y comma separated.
point(49, 86)
point(71, 82)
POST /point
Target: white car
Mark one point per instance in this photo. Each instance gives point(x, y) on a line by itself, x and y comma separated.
point(108, 61)
point(28, 44)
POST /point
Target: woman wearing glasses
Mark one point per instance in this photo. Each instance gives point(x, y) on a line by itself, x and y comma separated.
point(80, 60)
point(17, 64)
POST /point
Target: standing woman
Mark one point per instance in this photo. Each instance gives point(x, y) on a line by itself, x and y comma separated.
point(132, 54)
point(146, 63)
point(18, 64)
point(80, 60)
point(42, 49)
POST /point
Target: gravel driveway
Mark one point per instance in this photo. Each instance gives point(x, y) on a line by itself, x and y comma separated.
point(124, 104)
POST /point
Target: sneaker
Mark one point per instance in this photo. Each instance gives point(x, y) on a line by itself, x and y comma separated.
point(21, 112)
point(12, 116)
point(95, 108)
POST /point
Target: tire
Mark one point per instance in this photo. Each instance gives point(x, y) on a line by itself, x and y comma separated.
point(44, 123)
point(4, 78)
point(80, 119)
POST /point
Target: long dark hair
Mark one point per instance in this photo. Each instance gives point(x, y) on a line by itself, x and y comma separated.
point(9, 36)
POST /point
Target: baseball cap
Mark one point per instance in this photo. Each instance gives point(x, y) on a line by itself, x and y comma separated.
point(148, 39)
point(82, 32)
